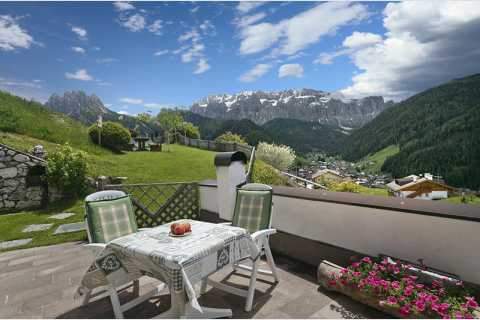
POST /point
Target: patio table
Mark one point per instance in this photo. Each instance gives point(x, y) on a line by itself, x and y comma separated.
point(180, 262)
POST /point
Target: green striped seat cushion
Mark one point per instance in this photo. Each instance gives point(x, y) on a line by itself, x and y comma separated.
point(110, 219)
point(252, 210)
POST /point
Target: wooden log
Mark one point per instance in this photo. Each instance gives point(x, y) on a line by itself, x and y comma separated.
point(324, 273)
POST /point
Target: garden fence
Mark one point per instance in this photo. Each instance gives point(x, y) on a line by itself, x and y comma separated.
point(159, 203)
point(215, 146)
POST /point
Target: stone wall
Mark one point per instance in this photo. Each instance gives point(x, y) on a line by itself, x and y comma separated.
point(15, 191)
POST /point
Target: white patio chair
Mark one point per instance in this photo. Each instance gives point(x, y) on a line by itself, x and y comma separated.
point(100, 209)
point(253, 211)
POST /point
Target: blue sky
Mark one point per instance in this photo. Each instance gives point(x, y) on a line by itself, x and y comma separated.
point(139, 56)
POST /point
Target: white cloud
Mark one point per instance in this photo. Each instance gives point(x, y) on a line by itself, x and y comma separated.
point(195, 52)
point(12, 36)
point(156, 27)
point(202, 66)
point(361, 39)
point(207, 27)
point(426, 43)
point(78, 50)
point(160, 53)
point(131, 101)
point(134, 22)
point(194, 49)
point(194, 9)
point(245, 21)
point(80, 74)
point(246, 6)
point(192, 34)
point(124, 112)
point(123, 6)
point(302, 30)
point(290, 70)
point(259, 37)
point(80, 32)
point(256, 72)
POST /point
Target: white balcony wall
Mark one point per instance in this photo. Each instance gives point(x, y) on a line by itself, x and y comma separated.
point(208, 198)
point(446, 244)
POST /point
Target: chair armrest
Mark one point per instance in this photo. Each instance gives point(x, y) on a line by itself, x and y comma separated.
point(262, 234)
point(225, 223)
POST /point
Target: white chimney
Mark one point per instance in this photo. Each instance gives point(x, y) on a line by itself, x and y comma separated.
point(230, 173)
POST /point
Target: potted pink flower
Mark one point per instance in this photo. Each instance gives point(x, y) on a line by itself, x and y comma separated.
point(392, 288)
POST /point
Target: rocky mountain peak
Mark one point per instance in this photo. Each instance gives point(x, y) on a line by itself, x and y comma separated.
point(304, 104)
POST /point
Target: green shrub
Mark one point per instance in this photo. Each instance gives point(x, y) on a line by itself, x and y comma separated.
point(347, 186)
point(264, 173)
point(67, 170)
point(189, 129)
point(229, 137)
point(278, 156)
point(114, 136)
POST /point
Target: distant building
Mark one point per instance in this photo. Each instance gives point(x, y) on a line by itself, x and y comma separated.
point(417, 187)
point(327, 176)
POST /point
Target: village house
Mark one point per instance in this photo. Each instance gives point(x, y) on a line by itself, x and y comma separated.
point(326, 176)
point(418, 187)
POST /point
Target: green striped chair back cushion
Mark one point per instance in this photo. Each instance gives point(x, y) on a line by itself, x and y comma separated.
point(110, 219)
point(253, 209)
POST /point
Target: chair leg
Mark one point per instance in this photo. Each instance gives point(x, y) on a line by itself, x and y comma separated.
point(203, 287)
point(115, 302)
point(86, 298)
point(270, 261)
point(136, 287)
point(251, 287)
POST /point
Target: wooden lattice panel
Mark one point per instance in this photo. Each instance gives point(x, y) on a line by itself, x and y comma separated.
point(159, 203)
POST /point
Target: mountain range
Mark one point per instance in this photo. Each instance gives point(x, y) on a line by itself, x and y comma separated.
point(86, 109)
point(307, 105)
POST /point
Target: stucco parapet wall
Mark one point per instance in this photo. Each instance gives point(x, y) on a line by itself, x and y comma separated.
point(414, 206)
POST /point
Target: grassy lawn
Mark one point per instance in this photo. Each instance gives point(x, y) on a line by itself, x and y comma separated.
point(378, 159)
point(11, 225)
point(470, 199)
point(373, 191)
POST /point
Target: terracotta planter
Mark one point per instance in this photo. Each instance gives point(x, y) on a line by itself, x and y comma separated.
point(326, 269)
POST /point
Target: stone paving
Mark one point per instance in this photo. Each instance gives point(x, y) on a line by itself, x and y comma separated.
point(61, 216)
point(70, 227)
point(41, 282)
point(37, 227)
point(14, 243)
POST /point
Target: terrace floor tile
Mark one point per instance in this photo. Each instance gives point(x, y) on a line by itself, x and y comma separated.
point(39, 288)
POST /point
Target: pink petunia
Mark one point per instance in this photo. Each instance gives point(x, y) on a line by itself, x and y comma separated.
point(408, 291)
point(356, 264)
point(420, 305)
point(367, 260)
point(402, 298)
point(405, 310)
point(385, 261)
point(332, 282)
point(458, 315)
point(392, 300)
point(422, 295)
point(419, 286)
point(344, 271)
point(357, 274)
point(471, 303)
point(395, 285)
point(372, 273)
